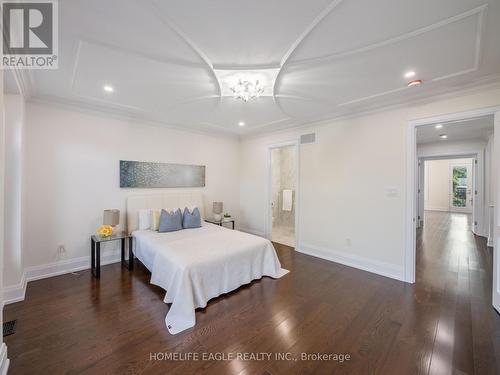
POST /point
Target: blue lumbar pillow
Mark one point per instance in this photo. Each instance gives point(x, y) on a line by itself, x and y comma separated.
point(191, 219)
point(170, 222)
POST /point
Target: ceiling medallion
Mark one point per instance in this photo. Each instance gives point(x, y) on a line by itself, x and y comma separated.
point(247, 90)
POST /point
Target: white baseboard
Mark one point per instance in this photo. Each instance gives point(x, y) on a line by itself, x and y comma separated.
point(16, 293)
point(373, 266)
point(441, 209)
point(4, 361)
point(253, 231)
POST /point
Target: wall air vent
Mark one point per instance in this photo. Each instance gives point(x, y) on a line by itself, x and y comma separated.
point(308, 138)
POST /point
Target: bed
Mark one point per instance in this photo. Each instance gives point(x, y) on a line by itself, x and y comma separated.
point(196, 265)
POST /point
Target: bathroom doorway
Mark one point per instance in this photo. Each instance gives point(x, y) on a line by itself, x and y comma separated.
point(283, 194)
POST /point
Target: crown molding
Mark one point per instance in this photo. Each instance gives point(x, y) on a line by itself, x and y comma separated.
point(474, 87)
point(206, 129)
point(260, 130)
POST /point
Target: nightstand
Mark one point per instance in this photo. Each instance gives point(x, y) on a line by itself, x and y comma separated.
point(220, 222)
point(95, 251)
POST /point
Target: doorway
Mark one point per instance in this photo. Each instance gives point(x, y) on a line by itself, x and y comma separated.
point(447, 184)
point(283, 177)
point(460, 186)
point(465, 129)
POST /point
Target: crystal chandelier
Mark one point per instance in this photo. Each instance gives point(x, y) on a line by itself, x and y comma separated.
point(246, 90)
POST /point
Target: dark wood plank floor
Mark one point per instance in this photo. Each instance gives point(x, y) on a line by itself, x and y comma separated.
point(443, 324)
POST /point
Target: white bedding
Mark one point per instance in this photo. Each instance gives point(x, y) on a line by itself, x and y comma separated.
point(196, 265)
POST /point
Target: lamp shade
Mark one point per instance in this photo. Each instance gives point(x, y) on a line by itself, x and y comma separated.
point(217, 207)
point(111, 217)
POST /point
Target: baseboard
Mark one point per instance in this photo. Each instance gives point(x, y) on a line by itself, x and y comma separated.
point(380, 268)
point(16, 293)
point(490, 242)
point(440, 209)
point(4, 361)
point(252, 231)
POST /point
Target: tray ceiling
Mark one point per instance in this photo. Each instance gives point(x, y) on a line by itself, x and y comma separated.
point(333, 57)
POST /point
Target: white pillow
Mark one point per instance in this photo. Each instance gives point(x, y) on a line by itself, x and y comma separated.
point(144, 219)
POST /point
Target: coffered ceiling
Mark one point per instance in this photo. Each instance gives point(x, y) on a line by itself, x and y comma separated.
point(332, 58)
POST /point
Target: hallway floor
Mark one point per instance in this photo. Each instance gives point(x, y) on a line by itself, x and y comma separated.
point(454, 270)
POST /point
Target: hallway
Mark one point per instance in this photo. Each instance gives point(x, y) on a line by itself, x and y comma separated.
point(454, 270)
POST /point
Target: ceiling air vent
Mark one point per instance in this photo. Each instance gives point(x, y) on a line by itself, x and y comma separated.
point(308, 138)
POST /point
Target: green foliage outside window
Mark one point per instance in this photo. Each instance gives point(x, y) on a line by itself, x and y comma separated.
point(459, 193)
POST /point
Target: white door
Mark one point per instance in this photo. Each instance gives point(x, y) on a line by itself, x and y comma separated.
point(461, 187)
point(496, 242)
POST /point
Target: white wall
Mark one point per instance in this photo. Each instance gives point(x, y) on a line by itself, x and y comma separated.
point(437, 185)
point(72, 165)
point(14, 129)
point(4, 361)
point(352, 183)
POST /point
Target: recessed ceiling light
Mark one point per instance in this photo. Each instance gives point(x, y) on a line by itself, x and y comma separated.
point(108, 88)
point(443, 136)
point(241, 123)
point(410, 74)
point(439, 126)
point(415, 82)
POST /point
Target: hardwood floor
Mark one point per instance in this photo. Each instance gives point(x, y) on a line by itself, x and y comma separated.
point(444, 324)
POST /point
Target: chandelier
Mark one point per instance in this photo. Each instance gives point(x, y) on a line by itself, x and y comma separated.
point(246, 90)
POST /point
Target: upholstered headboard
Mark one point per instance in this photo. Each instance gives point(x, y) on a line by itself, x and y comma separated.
point(166, 200)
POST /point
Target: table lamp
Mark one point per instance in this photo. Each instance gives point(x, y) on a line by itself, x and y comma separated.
point(217, 209)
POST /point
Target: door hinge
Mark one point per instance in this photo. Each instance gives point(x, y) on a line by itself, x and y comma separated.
point(475, 192)
point(475, 223)
point(475, 161)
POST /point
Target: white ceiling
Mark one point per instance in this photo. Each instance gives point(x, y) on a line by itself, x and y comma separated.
point(464, 130)
point(334, 57)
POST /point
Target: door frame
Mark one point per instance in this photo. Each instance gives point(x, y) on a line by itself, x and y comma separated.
point(479, 227)
point(412, 177)
point(269, 210)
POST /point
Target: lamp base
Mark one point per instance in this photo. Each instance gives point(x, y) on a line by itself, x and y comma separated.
point(217, 217)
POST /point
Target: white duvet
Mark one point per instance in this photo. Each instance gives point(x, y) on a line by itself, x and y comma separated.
point(196, 265)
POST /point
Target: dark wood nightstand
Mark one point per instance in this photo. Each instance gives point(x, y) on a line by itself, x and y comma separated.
point(95, 251)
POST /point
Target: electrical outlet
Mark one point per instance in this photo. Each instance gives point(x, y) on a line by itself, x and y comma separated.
point(61, 251)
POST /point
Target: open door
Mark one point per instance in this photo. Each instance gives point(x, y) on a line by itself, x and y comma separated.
point(461, 196)
point(496, 242)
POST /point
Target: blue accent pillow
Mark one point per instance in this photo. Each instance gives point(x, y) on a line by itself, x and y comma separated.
point(170, 222)
point(191, 219)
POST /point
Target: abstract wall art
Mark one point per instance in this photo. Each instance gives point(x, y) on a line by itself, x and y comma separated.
point(138, 174)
